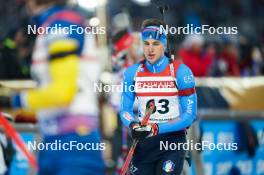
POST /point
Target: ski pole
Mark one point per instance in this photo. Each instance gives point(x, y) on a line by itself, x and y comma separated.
point(135, 142)
point(13, 134)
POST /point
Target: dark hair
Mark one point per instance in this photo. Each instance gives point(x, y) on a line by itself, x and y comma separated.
point(153, 22)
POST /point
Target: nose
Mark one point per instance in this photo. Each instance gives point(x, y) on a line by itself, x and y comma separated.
point(150, 49)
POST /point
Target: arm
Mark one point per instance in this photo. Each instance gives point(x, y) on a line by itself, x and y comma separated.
point(128, 97)
point(58, 93)
point(63, 70)
point(188, 104)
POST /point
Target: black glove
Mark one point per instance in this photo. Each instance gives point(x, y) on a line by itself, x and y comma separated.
point(140, 132)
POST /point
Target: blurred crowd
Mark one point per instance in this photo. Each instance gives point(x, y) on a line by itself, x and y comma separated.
point(221, 59)
point(238, 55)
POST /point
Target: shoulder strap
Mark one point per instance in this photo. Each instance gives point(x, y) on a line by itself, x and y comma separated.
point(138, 69)
point(174, 66)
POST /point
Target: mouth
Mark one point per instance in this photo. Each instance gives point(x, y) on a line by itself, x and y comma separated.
point(151, 56)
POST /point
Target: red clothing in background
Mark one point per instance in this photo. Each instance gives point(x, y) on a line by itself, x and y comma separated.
point(198, 63)
point(231, 61)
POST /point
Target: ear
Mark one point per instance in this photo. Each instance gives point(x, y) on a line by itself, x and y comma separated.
point(164, 47)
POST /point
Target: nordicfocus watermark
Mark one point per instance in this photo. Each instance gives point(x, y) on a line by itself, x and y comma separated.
point(124, 87)
point(204, 145)
point(58, 29)
point(58, 145)
point(151, 84)
point(199, 30)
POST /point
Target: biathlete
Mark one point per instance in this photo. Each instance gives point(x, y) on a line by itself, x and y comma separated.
point(171, 85)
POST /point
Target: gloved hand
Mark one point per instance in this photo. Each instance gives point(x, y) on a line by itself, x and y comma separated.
point(140, 132)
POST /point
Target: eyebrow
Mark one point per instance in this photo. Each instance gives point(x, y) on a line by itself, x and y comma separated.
point(156, 42)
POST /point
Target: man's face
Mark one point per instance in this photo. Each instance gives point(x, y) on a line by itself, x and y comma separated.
point(153, 50)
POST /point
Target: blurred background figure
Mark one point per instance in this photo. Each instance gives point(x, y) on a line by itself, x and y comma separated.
point(15, 44)
point(227, 63)
point(15, 56)
point(126, 51)
point(252, 60)
point(193, 55)
point(66, 65)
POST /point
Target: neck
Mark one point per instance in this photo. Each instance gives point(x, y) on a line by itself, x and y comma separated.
point(158, 66)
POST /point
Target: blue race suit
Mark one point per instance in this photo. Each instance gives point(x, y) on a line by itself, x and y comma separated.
point(148, 158)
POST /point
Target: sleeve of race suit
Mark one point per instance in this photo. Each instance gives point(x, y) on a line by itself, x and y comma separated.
point(63, 67)
point(128, 96)
point(188, 103)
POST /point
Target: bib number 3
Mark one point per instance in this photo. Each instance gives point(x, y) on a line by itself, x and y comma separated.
point(164, 106)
